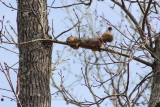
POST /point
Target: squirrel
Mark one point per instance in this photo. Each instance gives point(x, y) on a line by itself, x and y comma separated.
point(92, 43)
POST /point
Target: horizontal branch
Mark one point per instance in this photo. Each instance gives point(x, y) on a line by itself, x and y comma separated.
point(100, 49)
point(133, 57)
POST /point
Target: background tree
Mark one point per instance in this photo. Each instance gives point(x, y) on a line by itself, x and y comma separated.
point(121, 73)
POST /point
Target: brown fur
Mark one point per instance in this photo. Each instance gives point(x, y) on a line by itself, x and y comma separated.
point(92, 43)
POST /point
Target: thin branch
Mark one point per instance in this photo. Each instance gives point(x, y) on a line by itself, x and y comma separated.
point(9, 6)
point(67, 30)
point(65, 6)
point(70, 5)
point(146, 14)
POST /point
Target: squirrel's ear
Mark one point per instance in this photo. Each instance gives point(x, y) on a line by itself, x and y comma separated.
point(109, 29)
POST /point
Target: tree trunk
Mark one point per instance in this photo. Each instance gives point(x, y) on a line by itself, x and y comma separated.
point(34, 58)
point(155, 92)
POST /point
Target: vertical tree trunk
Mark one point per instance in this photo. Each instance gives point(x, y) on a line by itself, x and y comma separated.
point(155, 92)
point(34, 58)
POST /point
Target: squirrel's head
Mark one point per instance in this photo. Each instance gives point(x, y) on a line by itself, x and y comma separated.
point(107, 37)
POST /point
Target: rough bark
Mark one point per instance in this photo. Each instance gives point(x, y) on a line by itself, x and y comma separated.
point(34, 58)
point(155, 91)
